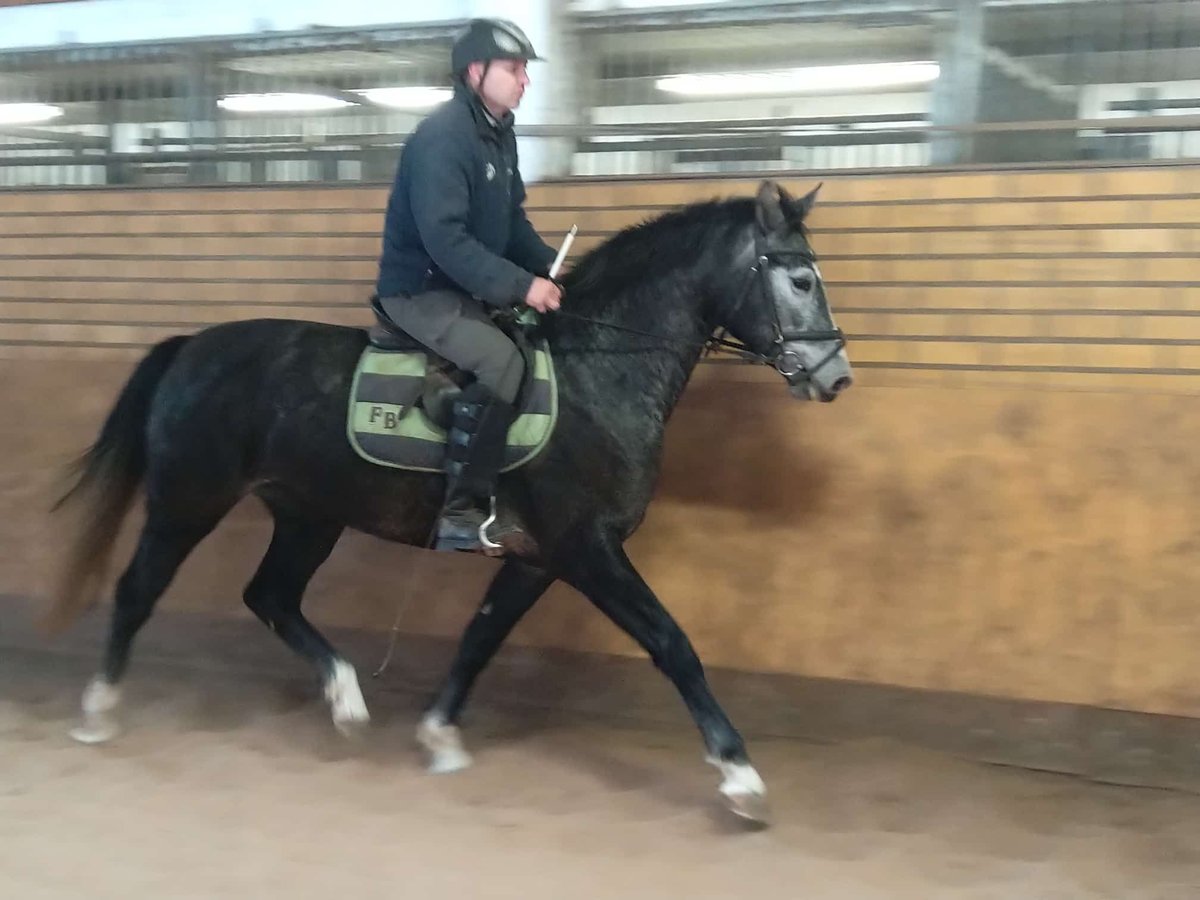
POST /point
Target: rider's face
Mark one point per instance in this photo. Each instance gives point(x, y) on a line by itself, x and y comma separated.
point(503, 86)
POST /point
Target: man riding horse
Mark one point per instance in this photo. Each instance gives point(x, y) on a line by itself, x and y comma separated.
point(188, 432)
point(457, 241)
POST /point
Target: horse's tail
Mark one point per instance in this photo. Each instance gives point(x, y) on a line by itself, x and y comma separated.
point(106, 478)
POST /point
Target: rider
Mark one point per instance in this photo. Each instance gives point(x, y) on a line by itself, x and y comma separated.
point(456, 242)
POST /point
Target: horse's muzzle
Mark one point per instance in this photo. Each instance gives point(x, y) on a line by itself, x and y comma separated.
point(804, 388)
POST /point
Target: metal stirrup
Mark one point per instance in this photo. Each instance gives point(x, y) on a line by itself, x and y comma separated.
point(484, 540)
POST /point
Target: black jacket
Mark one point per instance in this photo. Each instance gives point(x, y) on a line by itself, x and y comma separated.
point(456, 213)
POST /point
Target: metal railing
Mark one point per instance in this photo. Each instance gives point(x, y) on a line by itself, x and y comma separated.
point(1019, 82)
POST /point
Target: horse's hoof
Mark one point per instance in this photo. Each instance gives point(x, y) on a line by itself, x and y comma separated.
point(95, 729)
point(100, 699)
point(444, 745)
point(352, 728)
point(447, 762)
point(744, 792)
point(350, 715)
point(751, 807)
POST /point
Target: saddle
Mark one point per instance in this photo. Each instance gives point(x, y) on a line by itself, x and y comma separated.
point(444, 381)
point(401, 402)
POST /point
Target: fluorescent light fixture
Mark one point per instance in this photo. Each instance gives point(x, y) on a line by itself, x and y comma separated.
point(28, 113)
point(412, 97)
point(889, 126)
point(280, 102)
point(810, 80)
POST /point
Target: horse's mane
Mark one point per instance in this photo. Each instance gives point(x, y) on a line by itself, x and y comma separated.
point(683, 237)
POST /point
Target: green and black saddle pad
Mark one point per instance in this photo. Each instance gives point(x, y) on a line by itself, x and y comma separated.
point(387, 425)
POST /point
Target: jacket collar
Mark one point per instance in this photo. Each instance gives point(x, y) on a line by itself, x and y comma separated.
point(487, 124)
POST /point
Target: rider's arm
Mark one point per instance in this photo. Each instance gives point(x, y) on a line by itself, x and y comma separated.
point(440, 194)
point(525, 248)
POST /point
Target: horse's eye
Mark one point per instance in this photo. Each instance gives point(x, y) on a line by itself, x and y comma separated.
point(803, 283)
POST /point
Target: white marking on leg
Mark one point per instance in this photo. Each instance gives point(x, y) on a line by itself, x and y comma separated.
point(346, 699)
point(100, 696)
point(743, 789)
point(100, 699)
point(443, 742)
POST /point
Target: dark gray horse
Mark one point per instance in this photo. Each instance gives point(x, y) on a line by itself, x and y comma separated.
point(260, 407)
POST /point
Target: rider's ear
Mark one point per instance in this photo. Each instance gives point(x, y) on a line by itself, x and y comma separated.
point(769, 208)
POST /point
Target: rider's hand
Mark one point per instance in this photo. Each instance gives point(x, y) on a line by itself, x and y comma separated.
point(544, 295)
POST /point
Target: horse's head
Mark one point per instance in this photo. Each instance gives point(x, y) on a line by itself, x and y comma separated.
point(783, 315)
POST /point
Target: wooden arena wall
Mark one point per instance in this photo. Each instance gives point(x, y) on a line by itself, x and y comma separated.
point(1005, 503)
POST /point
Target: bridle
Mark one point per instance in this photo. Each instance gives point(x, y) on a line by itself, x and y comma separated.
point(786, 362)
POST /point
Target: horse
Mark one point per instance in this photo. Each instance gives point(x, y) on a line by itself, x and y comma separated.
point(258, 407)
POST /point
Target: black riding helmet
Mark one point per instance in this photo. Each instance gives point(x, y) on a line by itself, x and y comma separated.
point(484, 40)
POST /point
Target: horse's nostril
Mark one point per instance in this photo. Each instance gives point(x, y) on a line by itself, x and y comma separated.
point(841, 384)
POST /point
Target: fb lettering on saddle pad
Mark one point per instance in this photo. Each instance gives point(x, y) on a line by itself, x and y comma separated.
point(387, 424)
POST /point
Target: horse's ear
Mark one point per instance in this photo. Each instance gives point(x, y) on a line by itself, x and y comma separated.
point(802, 207)
point(769, 208)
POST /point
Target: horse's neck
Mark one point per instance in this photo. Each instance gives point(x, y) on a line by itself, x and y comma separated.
point(637, 352)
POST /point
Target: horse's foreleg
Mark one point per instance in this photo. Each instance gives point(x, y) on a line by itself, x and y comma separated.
point(603, 572)
point(516, 587)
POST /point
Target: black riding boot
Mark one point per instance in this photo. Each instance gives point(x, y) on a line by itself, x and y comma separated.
point(474, 457)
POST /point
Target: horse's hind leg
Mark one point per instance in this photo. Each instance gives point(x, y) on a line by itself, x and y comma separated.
point(516, 587)
point(602, 571)
point(162, 547)
point(298, 548)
